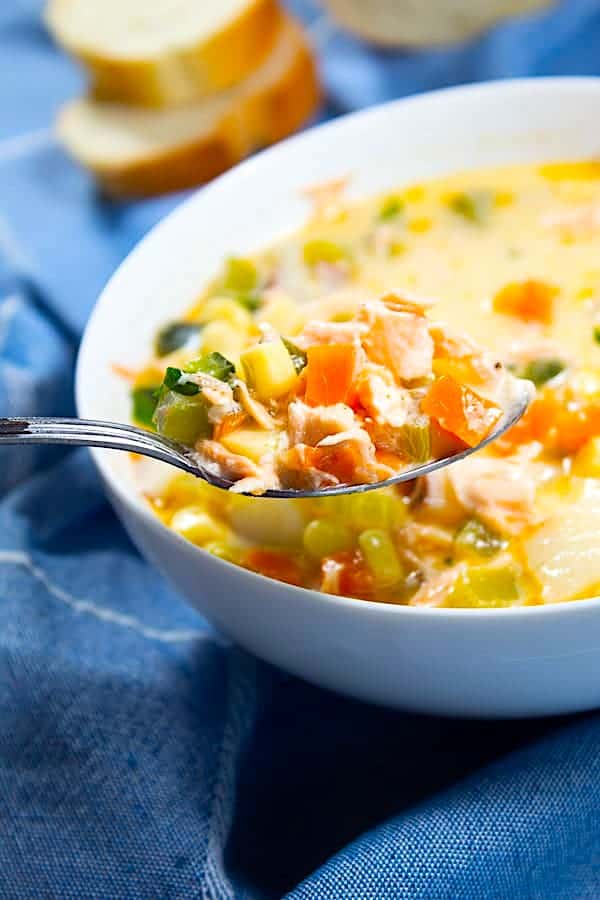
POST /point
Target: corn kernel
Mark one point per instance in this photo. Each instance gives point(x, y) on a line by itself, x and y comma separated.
point(323, 538)
point(381, 557)
point(198, 526)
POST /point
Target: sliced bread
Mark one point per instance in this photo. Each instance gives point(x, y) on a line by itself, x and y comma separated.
point(137, 152)
point(165, 52)
point(424, 22)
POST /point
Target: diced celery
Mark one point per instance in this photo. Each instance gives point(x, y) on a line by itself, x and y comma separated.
point(474, 206)
point(586, 463)
point(241, 275)
point(391, 208)
point(485, 586)
point(144, 401)
point(414, 440)
point(250, 442)
point(320, 250)
point(542, 370)
point(322, 537)
point(214, 364)
point(299, 357)
point(198, 526)
point(374, 509)
point(475, 540)
point(175, 335)
point(381, 557)
point(181, 418)
point(268, 369)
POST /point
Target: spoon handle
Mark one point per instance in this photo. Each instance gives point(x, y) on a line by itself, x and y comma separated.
point(91, 433)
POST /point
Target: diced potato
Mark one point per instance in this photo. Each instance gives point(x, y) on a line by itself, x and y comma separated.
point(276, 523)
point(224, 338)
point(281, 312)
point(227, 310)
point(269, 370)
point(250, 442)
point(586, 463)
point(198, 526)
point(565, 552)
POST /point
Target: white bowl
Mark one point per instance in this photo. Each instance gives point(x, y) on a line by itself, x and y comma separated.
point(505, 662)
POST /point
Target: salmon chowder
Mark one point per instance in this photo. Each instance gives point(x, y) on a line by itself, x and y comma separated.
point(378, 337)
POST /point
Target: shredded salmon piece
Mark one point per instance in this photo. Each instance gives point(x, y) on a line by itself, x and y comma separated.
point(254, 408)
point(231, 465)
point(310, 424)
point(500, 492)
point(399, 341)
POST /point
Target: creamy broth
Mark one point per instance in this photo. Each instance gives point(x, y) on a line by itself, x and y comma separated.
point(489, 534)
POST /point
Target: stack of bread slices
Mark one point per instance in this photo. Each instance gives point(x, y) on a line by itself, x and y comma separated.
point(180, 90)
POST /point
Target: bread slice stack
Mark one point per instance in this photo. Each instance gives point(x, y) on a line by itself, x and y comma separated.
point(180, 90)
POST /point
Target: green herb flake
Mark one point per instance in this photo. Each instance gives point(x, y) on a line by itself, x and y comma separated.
point(597, 333)
point(474, 206)
point(299, 357)
point(542, 370)
point(174, 336)
point(214, 364)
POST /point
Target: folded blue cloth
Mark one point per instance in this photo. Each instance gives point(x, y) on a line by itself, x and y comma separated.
point(141, 755)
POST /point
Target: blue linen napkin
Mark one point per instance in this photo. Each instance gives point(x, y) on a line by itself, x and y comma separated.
point(141, 755)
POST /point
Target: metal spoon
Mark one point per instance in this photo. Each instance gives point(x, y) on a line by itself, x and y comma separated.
point(116, 436)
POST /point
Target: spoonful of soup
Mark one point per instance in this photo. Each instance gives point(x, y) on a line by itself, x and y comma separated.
point(384, 396)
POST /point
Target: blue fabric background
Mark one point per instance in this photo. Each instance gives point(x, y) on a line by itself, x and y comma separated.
point(141, 756)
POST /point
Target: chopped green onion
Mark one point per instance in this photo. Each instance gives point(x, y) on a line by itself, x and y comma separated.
point(241, 275)
point(172, 382)
point(214, 364)
point(299, 357)
point(391, 208)
point(174, 336)
point(381, 557)
point(474, 206)
point(414, 440)
point(144, 403)
point(323, 537)
point(542, 370)
point(476, 539)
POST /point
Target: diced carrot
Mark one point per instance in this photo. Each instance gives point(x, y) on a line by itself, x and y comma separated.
point(274, 564)
point(462, 370)
point(532, 301)
point(443, 443)
point(355, 579)
point(391, 460)
point(460, 410)
point(560, 427)
point(341, 460)
point(575, 427)
point(330, 372)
